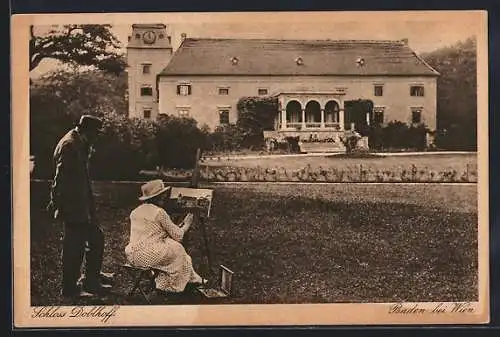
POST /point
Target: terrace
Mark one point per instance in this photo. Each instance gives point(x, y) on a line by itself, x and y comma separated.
point(311, 116)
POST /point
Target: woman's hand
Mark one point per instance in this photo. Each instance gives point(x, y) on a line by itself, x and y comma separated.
point(188, 221)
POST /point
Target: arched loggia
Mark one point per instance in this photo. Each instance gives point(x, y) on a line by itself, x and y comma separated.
point(293, 113)
point(331, 113)
point(313, 114)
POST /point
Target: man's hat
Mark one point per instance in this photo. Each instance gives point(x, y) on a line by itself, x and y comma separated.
point(89, 122)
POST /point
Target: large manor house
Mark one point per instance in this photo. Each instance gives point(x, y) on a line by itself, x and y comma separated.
point(312, 79)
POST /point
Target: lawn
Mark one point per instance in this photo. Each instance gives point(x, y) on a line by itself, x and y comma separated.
point(301, 243)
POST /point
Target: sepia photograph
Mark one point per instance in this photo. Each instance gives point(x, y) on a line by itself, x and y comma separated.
point(198, 165)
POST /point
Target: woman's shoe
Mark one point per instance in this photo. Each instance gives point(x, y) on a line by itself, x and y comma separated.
point(200, 283)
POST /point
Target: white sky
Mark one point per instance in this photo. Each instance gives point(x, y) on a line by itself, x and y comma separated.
point(426, 31)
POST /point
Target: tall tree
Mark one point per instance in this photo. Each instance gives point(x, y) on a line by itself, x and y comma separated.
point(84, 45)
point(457, 93)
point(59, 98)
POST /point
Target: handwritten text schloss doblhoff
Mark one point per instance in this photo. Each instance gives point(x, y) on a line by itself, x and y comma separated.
point(102, 313)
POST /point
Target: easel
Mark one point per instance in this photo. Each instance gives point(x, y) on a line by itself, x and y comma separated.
point(201, 219)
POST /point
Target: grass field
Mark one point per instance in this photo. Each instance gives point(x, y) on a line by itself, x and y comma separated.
point(300, 243)
point(428, 161)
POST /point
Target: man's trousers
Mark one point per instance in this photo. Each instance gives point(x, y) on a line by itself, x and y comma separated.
point(76, 235)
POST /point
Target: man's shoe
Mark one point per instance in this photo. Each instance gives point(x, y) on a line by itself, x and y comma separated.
point(96, 289)
point(107, 278)
point(75, 295)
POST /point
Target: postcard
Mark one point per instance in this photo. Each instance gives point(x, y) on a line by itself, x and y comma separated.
point(340, 160)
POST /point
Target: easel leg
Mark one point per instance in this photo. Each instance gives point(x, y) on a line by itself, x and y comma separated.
point(207, 246)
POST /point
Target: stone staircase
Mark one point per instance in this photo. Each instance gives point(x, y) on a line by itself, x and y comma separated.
point(320, 147)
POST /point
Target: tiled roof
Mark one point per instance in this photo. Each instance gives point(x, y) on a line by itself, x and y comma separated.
point(281, 57)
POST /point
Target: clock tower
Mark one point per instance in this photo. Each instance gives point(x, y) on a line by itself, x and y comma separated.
point(149, 50)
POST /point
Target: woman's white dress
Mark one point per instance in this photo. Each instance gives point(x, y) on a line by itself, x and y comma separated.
point(155, 242)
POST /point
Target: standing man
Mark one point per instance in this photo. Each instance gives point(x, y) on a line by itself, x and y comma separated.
point(72, 202)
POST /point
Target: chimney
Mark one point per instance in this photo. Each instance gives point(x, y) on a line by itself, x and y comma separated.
point(405, 41)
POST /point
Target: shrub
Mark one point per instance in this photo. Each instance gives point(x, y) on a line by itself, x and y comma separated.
point(255, 115)
point(350, 141)
point(457, 137)
point(293, 144)
point(125, 147)
point(178, 140)
point(226, 138)
point(395, 135)
point(417, 137)
point(398, 135)
point(376, 137)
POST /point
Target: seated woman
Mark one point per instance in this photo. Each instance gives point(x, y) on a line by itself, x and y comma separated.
point(155, 241)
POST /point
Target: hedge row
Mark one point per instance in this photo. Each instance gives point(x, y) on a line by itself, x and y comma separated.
point(126, 145)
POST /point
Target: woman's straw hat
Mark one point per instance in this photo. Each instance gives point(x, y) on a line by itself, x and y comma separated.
point(152, 189)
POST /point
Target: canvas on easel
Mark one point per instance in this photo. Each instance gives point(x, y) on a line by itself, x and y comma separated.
point(193, 198)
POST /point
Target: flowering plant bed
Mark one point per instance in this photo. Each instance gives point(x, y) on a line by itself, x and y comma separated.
point(356, 173)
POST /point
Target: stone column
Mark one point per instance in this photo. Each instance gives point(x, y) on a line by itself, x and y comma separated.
point(341, 115)
point(303, 118)
point(322, 118)
point(283, 118)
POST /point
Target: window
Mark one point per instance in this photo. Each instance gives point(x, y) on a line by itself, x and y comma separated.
point(378, 90)
point(146, 68)
point(223, 117)
point(378, 115)
point(223, 91)
point(184, 89)
point(146, 91)
point(416, 115)
point(183, 112)
point(262, 91)
point(417, 90)
point(146, 113)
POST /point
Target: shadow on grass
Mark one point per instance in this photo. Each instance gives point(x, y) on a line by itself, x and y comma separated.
point(290, 249)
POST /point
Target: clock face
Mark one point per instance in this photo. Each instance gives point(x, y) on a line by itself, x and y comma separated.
point(149, 37)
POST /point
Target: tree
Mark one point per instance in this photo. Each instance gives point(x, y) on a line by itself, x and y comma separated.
point(457, 94)
point(86, 92)
point(59, 98)
point(84, 45)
